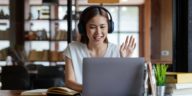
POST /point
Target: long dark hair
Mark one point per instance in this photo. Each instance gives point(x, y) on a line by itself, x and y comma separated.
point(87, 15)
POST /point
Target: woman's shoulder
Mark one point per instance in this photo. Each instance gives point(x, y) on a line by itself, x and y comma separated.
point(113, 50)
point(76, 44)
point(112, 45)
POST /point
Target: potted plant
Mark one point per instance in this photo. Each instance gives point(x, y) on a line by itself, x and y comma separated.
point(160, 75)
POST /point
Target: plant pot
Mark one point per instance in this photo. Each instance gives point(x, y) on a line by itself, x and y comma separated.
point(160, 90)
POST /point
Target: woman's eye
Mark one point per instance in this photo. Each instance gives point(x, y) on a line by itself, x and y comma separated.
point(91, 27)
point(102, 27)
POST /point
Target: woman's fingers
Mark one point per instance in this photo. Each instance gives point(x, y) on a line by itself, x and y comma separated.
point(129, 42)
point(126, 42)
point(128, 46)
point(132, 41)
point(132, 44)
point(122, 50)
point(122, 46)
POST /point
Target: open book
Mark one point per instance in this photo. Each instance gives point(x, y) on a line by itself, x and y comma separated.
point(53, 91)
point(61, 91)
point(34, 92)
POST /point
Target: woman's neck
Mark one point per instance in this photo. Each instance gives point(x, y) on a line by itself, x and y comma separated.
point(97, 50)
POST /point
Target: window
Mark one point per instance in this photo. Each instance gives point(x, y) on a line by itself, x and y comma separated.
point(126, 23)
point(4, 30)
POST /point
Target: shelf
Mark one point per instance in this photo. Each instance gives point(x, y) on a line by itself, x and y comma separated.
point(45, 55)
point(46, 40)
point(46, 60)
point(45, 20)
point(38, 20)
point(2, 19)
point(4, 40)
point(37, 40)
point(59, 40)
point(1, 60)
point(49, 18)
point(4, 22)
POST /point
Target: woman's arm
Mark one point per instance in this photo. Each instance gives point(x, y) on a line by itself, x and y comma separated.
point(70, 76)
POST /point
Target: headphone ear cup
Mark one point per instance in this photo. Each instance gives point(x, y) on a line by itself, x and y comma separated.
point(111, 26)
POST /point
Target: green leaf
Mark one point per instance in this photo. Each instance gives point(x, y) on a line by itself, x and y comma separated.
point(160, 73)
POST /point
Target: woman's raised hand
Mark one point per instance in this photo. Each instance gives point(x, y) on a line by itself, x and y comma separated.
point(127, 47)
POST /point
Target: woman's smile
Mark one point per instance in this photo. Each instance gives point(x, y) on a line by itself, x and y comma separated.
point(98, 37)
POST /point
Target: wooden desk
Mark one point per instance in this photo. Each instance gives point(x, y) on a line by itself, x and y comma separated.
point(13, 93)
point(10, 92)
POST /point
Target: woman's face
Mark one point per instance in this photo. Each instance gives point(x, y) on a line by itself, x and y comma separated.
point(97, 29)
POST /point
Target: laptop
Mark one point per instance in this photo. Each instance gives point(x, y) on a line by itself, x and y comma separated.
point(113, 77)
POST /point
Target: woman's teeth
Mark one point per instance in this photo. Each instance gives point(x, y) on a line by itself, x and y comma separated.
point(98, 37)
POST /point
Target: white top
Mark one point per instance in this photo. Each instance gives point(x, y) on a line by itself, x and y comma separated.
point(76, 51)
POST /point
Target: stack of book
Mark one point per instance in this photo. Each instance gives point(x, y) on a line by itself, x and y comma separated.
point(45, 55)
point(61, 35)
point(179, 84)
point(3, 54)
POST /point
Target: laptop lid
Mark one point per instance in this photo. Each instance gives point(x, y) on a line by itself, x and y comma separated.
point(113, 77)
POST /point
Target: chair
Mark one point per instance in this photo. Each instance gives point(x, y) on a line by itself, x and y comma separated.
point(15, 78)
point(49, 76)
point(33, 71)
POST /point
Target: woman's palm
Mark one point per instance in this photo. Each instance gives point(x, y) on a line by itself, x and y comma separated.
point(127, 47)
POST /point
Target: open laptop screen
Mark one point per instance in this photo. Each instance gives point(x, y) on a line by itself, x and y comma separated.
point(113, 76)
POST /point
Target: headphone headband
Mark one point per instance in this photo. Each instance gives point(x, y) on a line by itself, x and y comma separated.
point(81, 25)
point(99, 7)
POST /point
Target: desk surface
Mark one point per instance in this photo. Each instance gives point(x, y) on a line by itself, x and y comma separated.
point(10, 92)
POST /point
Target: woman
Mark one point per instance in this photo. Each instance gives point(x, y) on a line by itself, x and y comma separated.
point(94, 25)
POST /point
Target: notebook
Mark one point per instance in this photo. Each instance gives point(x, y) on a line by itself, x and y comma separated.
point(113, 77)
